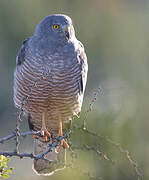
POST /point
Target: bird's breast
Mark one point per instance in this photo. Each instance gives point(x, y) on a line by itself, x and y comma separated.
point(52, 85)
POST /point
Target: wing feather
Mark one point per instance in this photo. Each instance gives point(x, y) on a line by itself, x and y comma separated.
point(21, 54)
point(83, 66)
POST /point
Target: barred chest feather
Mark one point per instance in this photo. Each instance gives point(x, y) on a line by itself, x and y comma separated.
point(51, 83)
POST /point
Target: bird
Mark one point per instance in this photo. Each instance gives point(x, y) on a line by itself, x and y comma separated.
point(49, 83)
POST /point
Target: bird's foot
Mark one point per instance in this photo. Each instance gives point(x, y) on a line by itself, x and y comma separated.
point(60, 133)
point(44, 133)
point(63, 142)
point(35, 136)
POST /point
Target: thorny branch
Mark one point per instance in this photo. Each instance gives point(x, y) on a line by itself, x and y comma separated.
point(125, 152)
point(30, 155)
point(105, 138)
point(16, 134)
point(23, 134)
point(96, 93)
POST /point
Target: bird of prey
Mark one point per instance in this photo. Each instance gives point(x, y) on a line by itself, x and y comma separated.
point(49, 83)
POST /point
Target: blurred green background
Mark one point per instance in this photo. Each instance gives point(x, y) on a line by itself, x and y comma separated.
point(115, 36)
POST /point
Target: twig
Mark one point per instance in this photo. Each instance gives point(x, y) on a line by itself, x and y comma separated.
point(99, 90)
point(128, 156)
point(30, 155)
point(17, 131)
point(95, 149)
point(126, 152)
point(23, 134)
point(16, 134)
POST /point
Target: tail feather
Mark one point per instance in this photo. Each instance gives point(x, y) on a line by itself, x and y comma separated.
point(53, 161)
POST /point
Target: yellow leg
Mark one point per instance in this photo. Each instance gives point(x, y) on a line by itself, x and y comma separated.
point(44, 131)
point(61, 134)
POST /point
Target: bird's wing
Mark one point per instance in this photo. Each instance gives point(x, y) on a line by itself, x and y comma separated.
point(18, 75)
point(82, 58)
point(21, 54)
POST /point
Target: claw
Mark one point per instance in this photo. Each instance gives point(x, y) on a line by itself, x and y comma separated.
point(44, 132)
point(46, 135)
point(35, 136)
point(63, 141)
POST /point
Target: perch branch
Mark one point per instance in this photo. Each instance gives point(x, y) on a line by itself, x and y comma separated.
point(23, 134)
point(30, 155)
point(16, 134)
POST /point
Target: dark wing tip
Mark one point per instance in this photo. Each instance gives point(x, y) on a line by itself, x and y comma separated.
point(84, 68)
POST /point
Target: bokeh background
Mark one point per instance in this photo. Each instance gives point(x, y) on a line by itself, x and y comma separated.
point(115, 34)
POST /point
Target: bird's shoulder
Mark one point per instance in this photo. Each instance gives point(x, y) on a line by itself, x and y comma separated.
point(21, 53)
point(81, 53)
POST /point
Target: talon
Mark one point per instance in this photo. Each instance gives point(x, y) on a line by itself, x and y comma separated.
point(45, 132)
point(35, 136)
point(45, 138)
point(65, 144)
point(63, 141)
point(46, 135)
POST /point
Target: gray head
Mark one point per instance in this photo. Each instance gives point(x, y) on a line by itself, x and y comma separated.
point(56, 28)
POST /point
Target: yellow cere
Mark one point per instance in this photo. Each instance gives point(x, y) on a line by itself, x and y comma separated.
point(55, 26)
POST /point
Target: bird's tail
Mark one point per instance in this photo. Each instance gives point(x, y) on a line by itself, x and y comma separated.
point(52, 161)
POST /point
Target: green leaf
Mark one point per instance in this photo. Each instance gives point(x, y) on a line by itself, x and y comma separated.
point(4, 170)
point(8, 171)
point(4, 175)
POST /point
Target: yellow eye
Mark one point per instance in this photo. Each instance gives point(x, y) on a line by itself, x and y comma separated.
point(55, 26)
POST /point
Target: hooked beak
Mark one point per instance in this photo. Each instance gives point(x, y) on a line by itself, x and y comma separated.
point(67, 33)
point(66, 30)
